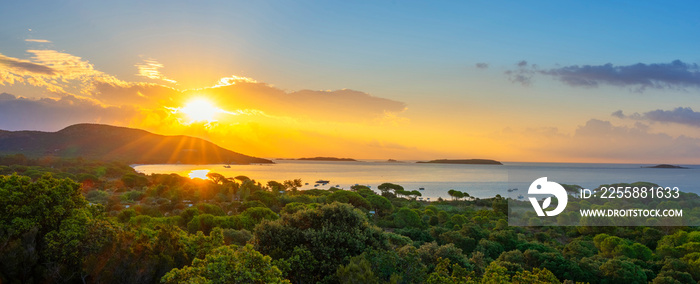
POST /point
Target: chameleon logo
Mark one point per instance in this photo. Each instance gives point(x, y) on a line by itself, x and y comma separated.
point(542, 186)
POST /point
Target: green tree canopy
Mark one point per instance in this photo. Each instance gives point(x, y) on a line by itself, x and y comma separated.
point(330, 233)
point(228, 264)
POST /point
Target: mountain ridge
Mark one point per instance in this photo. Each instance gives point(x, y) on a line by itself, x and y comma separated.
point(123, 144)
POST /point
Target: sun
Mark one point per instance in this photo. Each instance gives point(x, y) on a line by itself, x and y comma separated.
point(200, 110)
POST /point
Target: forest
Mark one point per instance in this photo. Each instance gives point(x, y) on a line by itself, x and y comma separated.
point(86, 221)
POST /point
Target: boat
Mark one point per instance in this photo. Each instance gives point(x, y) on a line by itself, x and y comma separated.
point(422, 188)
point(227, 166)
point(520, 196)
point(323, 181)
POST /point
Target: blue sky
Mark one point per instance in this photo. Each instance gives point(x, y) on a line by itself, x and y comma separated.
point(274, 39)
point(422, 54)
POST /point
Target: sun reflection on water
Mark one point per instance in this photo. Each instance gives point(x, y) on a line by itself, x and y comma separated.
point(200, 174)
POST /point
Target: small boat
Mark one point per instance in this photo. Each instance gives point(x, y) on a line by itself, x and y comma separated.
point(323, 181)
point(422, 188)
point(520, 196)
point(227, 166)
point(306, 183)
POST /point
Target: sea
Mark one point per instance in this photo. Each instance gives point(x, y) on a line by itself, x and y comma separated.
point(433, 181)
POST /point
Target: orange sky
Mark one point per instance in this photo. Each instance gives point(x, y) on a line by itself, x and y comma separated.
point(268, 83)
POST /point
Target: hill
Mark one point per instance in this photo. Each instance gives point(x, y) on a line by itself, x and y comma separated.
point(464, 162)
point(112, 143)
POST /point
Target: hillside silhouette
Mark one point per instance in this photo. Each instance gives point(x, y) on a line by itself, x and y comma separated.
point(112, 143)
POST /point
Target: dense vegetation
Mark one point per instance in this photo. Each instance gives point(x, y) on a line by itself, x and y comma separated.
point(73, 221)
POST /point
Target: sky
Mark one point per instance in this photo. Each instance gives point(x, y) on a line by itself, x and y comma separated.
point(544, 81)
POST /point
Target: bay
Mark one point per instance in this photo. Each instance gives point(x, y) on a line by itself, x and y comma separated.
point(437, 179)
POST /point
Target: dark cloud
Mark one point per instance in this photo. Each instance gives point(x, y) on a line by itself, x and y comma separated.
point(482, 65)
point(26, 66)
point(680, 115)
point(47, 114)
point(640, 76)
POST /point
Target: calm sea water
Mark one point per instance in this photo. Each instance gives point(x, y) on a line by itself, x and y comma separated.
point(436, 179)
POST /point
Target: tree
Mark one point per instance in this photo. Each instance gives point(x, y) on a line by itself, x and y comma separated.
point(134, 180)
point(78, 240)
point(407, 218)
point(275, 186)
point(442, 273)
point(292, 184)
point(495, 274)
point(622, 271)
point(353, 198)
point(258, 214)
point(536, 276)
point(228, 264)
point(415, 194)
point(380, 204)
point(217, 178)
point(29, 211)
point(386, 187)
point(500, 204)
point(330, 233)
point(357, 271)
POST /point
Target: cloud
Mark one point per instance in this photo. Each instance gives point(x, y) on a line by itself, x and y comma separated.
point(602, 140)
point(522, 75)
point(58, 72)
point(339, 105)
point(65, 75)
point(17, 113)
point(482, 65)
point(142, 94)
point(149, 69)
point(598, 141)
point(679, 115)
point(640, 76)
point(24, 66)
point(226, 81)
point(37, 40)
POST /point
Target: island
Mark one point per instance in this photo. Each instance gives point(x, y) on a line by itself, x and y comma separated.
point(463, 162)
point(326, 159)
point(665, 166)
